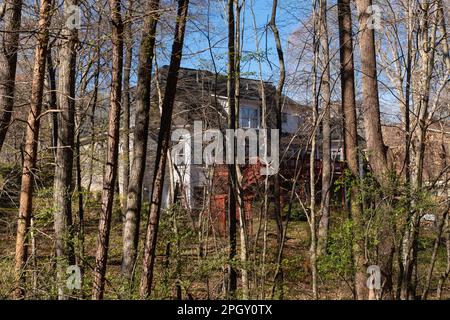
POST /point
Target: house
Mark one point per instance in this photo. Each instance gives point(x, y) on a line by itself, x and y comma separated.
point(202, 97)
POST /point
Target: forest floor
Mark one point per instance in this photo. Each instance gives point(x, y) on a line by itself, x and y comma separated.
point(199, 278)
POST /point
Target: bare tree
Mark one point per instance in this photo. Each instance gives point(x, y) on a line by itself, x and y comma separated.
point(325, 95)
point(161, 152)
point(140, 137)
point(31, 145)
point(126, 102)
point(347, 72)
point(12, 15)
point(110, 175)
point(231, 276)
point(63, 187)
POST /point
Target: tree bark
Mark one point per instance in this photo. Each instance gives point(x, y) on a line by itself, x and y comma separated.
point(243, 236)
point(31, 146)
point(347, 74)
point(161, 152)
point(322, 236)
point(375, 148)
point(109, 178)
point(278, 107)
point(8, 63)
point(63, 187)
point(126, 103)
point(140, 137)
point(231, 275)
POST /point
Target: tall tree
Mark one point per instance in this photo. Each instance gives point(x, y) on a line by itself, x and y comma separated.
point(376, 151)
point(8, 63)
point(231, 276)
point(31, 145)
point(278, 285)
point(126, 101)
point(63, 186)
point(110, 175)
point(325, 96)
point(140, 137)
point(161, 151)
point(312, 156)
point(347, 75)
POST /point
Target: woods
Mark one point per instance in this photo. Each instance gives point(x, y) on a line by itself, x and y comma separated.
point(224, 149)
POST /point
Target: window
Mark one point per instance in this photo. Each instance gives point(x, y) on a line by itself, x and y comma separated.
point(284, 117)
point(248, 117)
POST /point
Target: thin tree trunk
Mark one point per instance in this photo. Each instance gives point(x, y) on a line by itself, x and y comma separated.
point(243, 237)
point(109, 179)
point(8, 63)
point(62, 189)
point(231, 276)
point(312, 174)
point(278, 285)
point(140, 137)
point(52, 100)
point(351, 140)
point(126, 100)
point(161, 152)
point(322, 236)
point(31, 146)
point(422, 84)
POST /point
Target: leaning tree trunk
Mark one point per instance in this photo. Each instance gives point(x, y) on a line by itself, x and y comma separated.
point(31, 145)
point(161, 151)
point(351, 140)
point(110, 175)
point(322, 235)
point(8, 63)
point(62, 188)
point(140, 136)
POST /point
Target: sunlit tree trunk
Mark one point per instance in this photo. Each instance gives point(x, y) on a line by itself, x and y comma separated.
point(31, 146)
point(347, 74)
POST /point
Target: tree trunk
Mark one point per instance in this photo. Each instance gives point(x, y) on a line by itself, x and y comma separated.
point(8, 63)
point(322, 236)
point(62, 189)
point(126, 103)
point(277, 184)
point(161, 152)
point(140, 136)
point(243, 236)
point(52, 100)
point(109, 179)
point(312, 158)
point(31, 146)
point(351, 140)
point(375, 148)
point(231, 276)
